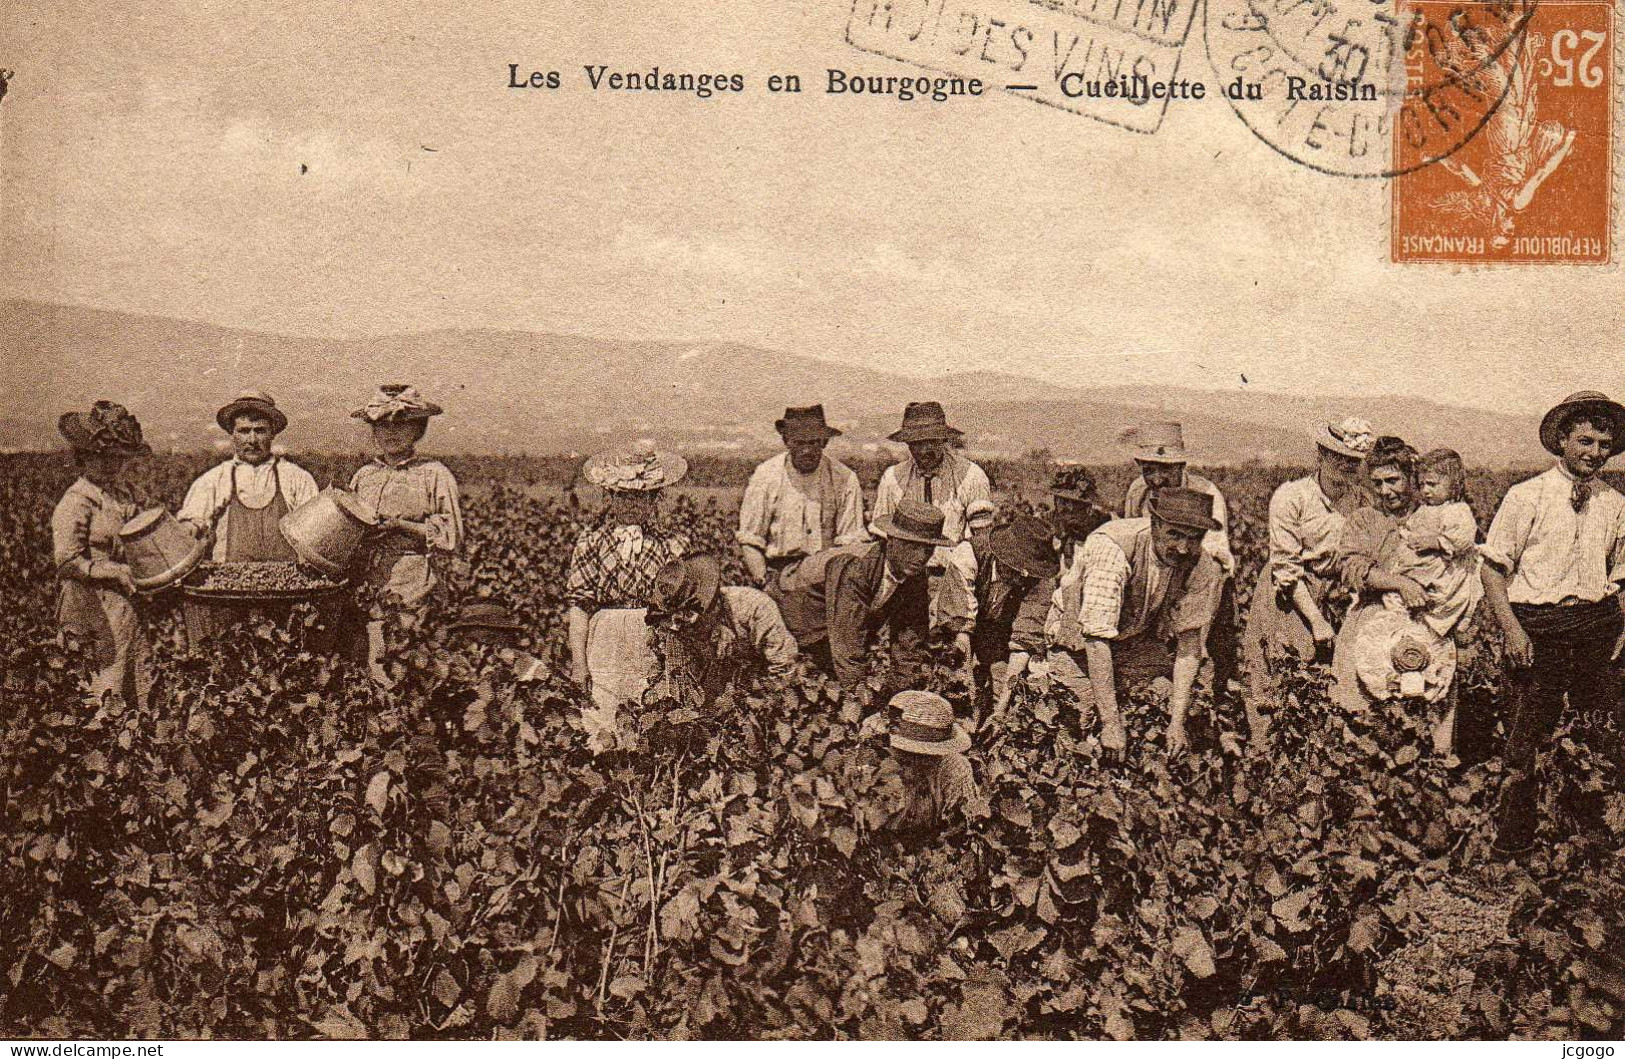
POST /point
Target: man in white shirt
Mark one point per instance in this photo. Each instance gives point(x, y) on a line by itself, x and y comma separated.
point(798, 503)
point(936, 475)
point(237, 504)
point(1554, 560)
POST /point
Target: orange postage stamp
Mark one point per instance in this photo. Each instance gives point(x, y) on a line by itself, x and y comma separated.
point(1534, 182)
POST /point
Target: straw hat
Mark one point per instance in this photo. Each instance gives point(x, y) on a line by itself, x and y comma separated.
point(1351, 437)
point(1587, 403)
point(925, 724)
point(395, 402)
point(1026, 546)
point(1160, 443)
point(638, 470)
point(252, 402)
point(980, 514)
point(107, 427)
point(1184, 507)
point(805, 424)
point(924, 421)
point(916, 521)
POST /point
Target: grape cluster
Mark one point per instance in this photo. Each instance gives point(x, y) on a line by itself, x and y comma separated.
point(258, 577)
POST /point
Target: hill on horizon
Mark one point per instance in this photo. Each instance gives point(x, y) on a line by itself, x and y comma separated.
point(538, 393)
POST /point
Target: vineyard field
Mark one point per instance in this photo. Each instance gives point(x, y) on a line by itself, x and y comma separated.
point(272, 847)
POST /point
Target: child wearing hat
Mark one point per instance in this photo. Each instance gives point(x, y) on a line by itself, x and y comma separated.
point(928, 747)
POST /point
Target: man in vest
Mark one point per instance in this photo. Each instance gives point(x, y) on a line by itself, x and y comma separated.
point(1133, 606)
point(1161, 459)
point(800, 502)
point(841, 596)
point(933, 474)
point(237, 504)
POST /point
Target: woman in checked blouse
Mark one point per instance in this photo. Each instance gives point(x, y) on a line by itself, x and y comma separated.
point(612, 575)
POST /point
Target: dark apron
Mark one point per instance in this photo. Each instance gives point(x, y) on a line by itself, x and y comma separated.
point(252, 535)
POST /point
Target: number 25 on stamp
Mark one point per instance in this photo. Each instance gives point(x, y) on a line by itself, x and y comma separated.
point(1533, 183)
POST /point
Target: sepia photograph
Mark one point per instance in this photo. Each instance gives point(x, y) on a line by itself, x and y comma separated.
point(822, 520)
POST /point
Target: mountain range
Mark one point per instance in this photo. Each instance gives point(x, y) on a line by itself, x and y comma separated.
point(534, 392)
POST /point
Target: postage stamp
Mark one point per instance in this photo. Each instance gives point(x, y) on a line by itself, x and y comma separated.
point(1352, 56)
point(1536, 184)
point(1044, 50)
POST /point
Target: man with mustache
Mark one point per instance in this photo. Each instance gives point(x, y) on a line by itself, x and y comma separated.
point(835, 601)
point(1554, 560)
point(1161, 460)
point(238, 504)
point(933, 474)
point(1133, 605)
point(798, 503)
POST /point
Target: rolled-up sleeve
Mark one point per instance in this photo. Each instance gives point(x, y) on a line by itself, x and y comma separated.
point(445, 523)
point(1286, 539)
point(1105, 574)
point(768, 634)
point(756, 507)
point(1509, 530)
point(70, 536)
point(849, 519)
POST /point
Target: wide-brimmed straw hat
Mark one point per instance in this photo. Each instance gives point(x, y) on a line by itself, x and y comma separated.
point(914, 520)
point(107, 427)
point(252, 402)
point(635, 470)
point(1588, 404)
point(805, 424)
point(486, 616)
point(1350, 436)
point(395, 402)
point(1026, 546)
point(924, 724)
point(1162, 442)
point(691, 583)
point(1190, 508)
point(925, 421)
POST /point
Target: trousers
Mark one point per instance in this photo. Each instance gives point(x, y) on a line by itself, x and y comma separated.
point(1572, 667)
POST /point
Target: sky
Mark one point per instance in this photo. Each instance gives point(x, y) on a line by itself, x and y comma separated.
point(343, 169)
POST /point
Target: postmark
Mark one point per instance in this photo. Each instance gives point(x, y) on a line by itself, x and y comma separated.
point(1536, 185)
point(1331, 79)
point(1043, 50)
